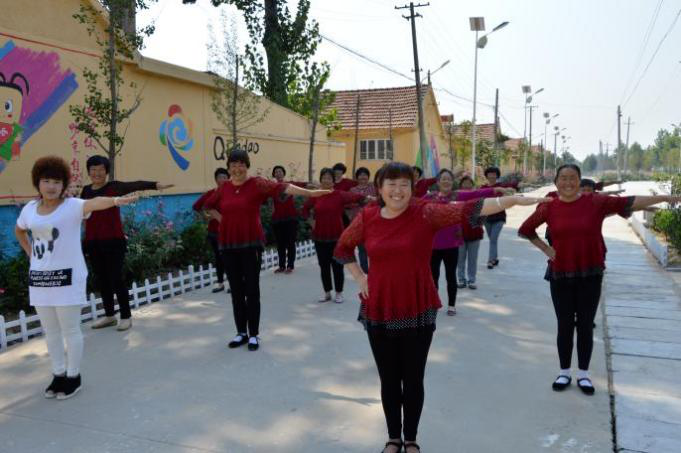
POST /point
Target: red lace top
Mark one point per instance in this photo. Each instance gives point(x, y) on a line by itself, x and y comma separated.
point(284, 205)
point(240, 208)
point(328, 213)
point(106, 225)
point(576, 232)
point(402, 294)
point(422, 185)
point(213, 224)
point(345, 184)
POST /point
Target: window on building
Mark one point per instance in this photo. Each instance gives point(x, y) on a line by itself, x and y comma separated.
point(380, 149)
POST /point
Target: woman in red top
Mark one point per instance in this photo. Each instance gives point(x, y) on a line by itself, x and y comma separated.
point(422, 184)
point(105, 244)
point(285, 223)
point(326, 229)
point(221, 176)
point(241, 239)
point(576, 262)
point(399, 299)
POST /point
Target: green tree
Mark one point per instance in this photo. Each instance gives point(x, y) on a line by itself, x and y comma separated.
point(237, 108)
point(590, 163)
point(103, 115)
point(290, 42)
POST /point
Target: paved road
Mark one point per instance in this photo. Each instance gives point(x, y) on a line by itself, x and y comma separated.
point(170, 384)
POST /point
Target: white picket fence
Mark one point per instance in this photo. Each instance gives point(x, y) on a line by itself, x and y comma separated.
point(154, 291)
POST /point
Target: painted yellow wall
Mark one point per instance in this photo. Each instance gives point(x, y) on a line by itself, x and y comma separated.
point(281, 138)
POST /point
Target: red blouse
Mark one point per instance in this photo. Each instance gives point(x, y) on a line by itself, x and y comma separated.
point(576, 232)
point(402, 294)
point(284, 205)
point(345, 184)
point(422, 185)
point(240, 208)
point(213, 224)
point(328, 213)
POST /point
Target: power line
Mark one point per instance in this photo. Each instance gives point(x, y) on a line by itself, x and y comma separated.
point(645, 71)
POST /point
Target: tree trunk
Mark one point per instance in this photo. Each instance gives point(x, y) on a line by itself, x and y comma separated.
point(315, 118)
point(233, 114)
point(113, 123)
point(276, 57)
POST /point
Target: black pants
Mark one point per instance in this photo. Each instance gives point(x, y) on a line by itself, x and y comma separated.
point(219, 263)
point(327, 265)
point(401, 363)
point(576, 301)
point(285, 234)
point(243, 273)
point(450, 257)
point(107, 260)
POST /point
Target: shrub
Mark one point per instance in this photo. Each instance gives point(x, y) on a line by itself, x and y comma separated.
point(14, 284)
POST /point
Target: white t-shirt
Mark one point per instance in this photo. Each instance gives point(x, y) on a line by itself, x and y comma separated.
point(57, 274)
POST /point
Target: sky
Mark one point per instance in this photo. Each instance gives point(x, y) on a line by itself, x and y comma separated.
point(589, 56)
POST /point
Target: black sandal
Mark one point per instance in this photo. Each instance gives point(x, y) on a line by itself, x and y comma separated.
point(586, 389)
point(412, 444)
point(392, 443)
point(559, 386)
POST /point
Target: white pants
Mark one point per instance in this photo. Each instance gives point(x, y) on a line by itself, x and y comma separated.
point(62, 324)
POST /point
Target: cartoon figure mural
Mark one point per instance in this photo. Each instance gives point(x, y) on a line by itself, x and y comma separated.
point(177, 133)
point(432, 158)
point(33, 86)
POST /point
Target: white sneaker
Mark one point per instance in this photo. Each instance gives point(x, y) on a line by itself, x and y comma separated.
point(325, 298)
point(124, 324)
point(106, 321)
point(339, 298)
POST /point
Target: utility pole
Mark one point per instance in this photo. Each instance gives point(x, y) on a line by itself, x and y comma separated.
point(235, 94)
point(619, 142)
point(555, 150)
point(529, 150)
point(354, 153)
point(626, 149)
point(496, 127)
point(422, 127)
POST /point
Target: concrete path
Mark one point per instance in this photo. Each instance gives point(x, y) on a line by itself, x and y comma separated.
point(170, 385)
point(643, 317)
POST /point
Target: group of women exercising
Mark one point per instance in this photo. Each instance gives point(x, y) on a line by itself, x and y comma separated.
point(400, 232)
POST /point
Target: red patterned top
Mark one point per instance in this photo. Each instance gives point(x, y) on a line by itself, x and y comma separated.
point(402, 294)
point(422, 185)
point(213, 224)
point(328, 213)
point(345, 184)
point(240, 207)
point(576, 232)
point(284, 205)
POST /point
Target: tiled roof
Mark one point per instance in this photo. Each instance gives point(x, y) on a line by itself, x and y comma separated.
point(377, 106)
point(483, 132)
point(513, 144)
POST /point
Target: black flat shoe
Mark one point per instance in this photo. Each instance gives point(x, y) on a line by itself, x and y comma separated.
point(586, 389)
point(239, 340)
point(495, 262)
point(412, 444)
point(399, 446)
point(559, 386)
point(490, 265)
point(254, 346)
point(56, 386)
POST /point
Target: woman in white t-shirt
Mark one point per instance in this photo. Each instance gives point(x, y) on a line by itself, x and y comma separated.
point(48, 229)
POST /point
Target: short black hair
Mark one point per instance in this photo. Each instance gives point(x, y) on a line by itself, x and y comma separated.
point(362, 171)
point(239, 155)
point(574, 167)
point(394, 170)
point(418, 170)
point(443, 171)
point(51, 167)
point(494, 170)
point(278, 167)
point(340, 166)
point(326, 171)
point(220, 171)
point(466, 178)
point(96, 160)
point(586, 182)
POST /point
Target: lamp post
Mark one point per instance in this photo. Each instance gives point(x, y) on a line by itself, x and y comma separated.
point(439, 67)
point(557, 132)
point(528, 101)
point(477, 25)
point(546, 137)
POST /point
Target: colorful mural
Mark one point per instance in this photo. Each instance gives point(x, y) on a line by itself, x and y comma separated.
point(33, 86)
point(432, 159)
point(177, 133)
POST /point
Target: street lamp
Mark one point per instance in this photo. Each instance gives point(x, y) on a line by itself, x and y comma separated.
point(557, 132)
point(439, 67)
point(548, 118)
point(477, 25)
point(527, 90)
